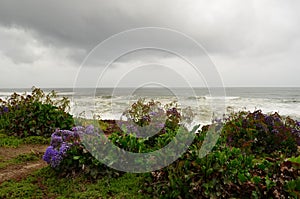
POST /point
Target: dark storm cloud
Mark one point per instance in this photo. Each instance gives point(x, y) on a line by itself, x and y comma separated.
point(241, 36)
point(222, 27)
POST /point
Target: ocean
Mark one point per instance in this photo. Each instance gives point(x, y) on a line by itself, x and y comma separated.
point(108, 103)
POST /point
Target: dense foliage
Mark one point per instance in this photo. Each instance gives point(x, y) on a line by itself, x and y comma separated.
point(71, 156)
point(233, 169)
point(150, 116)
point(36, 114)
point(256, 156)
point(156, 124)
point(224, 173)
point(259, 133)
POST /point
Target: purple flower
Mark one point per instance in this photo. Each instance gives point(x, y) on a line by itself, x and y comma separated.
point(269, 120)
point(63, 149)
point(62, 141)
point(48, 154)
point(52, 157)
point(55, 161)
point(5, 109)
point(56, 140)
point(77, 129)
point(89, 129)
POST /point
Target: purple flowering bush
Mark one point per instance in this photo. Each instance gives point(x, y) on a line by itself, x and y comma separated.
point(262, 133)
point(61, 142)
point(68, 156)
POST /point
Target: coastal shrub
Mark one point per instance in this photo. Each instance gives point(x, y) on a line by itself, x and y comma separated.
point(68, 156)
point(147, 126)
point(226, 172)
point(38, 114)
point(152, 114)
point(257, 133)
point(191, 176)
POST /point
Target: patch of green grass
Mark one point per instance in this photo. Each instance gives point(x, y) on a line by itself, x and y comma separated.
point(15, 142)
point(295, 159)
point(36, 140)
point(45, 183)
point(23, 189)
point(20, 159)
point(126, 186)
point(9, 141)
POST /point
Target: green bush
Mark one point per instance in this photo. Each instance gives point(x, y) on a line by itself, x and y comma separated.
point(37, 114)
point(143, 113)
point(143, 117)
point(260, 133)
point(226, 172)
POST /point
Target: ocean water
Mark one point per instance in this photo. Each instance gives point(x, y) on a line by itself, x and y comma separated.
point(205, 104)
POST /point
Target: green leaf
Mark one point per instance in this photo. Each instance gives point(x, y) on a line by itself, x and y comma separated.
point(76, 157)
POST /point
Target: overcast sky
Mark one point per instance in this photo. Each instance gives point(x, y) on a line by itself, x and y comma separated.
point(251, 43)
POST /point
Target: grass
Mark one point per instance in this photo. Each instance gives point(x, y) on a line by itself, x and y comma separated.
point(45, 183)
point(15, 142)
point(9, 141)
point(20, 159)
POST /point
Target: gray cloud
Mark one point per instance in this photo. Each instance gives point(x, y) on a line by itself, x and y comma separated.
point(239, 35)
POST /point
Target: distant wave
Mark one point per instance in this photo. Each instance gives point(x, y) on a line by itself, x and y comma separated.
point(195, 97)
point(106, 97)
point(221, 98)
point(5, 94)
point(290, 101)
point(66, 93)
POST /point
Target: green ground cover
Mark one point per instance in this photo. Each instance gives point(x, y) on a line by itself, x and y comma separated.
point(45, 183)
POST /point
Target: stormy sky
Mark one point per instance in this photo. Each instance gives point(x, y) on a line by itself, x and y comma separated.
point(249, 43)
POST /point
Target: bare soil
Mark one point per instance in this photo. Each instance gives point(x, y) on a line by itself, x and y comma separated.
point(19, 171)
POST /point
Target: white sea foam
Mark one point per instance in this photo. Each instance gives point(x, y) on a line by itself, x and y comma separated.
point(285, 101)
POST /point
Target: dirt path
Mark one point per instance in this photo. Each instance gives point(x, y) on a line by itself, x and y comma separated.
point(19, 171)
point(7, 153)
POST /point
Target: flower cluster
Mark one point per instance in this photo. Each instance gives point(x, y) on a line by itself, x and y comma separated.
point(4, 110)
point(61, 142)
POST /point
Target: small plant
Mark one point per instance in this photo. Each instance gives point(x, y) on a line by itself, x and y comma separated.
point(37, 114)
